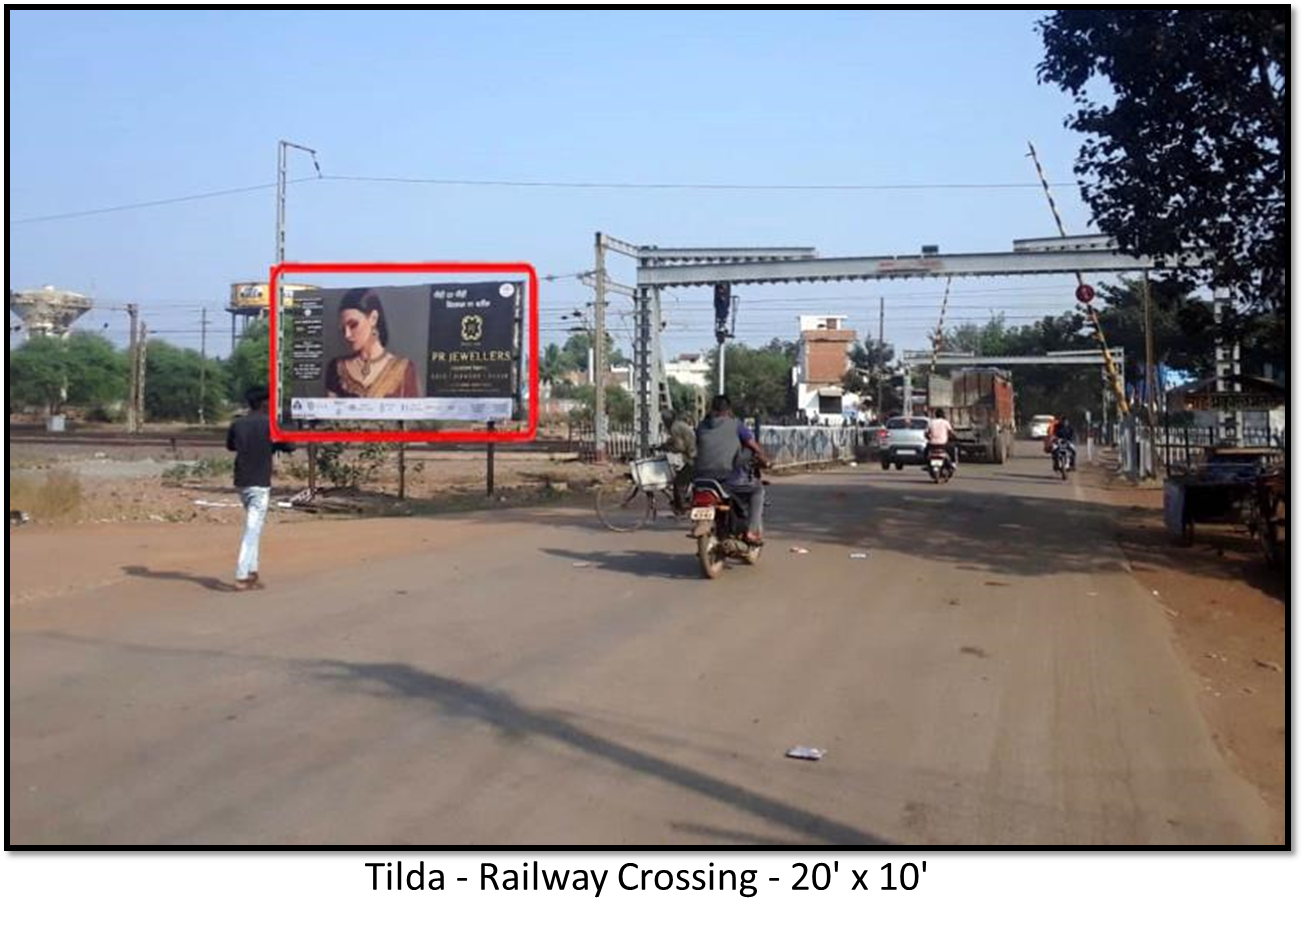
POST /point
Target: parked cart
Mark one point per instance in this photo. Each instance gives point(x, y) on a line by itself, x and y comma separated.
point(1224, 489)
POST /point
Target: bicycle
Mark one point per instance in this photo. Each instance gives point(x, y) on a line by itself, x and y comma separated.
point(649, 488)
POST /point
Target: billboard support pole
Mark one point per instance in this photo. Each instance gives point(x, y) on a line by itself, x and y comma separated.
point(489, 465)
point(402, 464)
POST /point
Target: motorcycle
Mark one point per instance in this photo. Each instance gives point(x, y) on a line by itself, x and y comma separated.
point(720, 527)
point(1060, 458)
point(939, 466)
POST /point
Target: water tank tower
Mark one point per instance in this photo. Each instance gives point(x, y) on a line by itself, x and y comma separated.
point(48, 312)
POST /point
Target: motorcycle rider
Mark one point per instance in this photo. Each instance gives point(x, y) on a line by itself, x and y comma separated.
point(941, 434)
point(721, 440)
point(1064, 432)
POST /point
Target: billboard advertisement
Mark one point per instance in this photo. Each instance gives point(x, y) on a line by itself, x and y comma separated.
point(250, 297)
point(428, 352)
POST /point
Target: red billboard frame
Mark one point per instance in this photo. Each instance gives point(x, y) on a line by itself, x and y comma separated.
point(434, 437)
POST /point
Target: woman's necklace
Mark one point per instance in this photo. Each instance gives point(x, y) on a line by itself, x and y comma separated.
point(366, 365)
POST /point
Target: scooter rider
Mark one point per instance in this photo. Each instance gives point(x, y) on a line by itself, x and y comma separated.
point(1064, 432)
point(721, 439)
point(941, 434)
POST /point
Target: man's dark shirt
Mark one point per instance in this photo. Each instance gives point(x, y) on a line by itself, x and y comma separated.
point(251, 439)
point(1064, 431)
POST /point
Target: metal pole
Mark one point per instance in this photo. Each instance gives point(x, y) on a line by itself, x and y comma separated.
point(600, 345)
point(720, 351)
point(882, 367)
point(489, 465)
point(1151, 379)
point(643, 359)
point(1112, 370)
point(402, 464)
point(203, 359)
point(282, 153)
point(132, 316)
point(142, 346)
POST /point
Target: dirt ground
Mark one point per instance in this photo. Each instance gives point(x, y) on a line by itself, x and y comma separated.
point(1228, 613)
point(132, 485)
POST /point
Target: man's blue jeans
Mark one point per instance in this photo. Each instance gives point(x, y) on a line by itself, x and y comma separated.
point(254, 499)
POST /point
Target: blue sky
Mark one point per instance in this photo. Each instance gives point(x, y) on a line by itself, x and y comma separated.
point(115, 107)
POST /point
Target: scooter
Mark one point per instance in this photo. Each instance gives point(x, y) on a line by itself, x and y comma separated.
point(939, 466)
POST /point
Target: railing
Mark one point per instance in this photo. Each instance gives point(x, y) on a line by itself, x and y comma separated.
point(794, 445)
point(1142, 449)
point(621, 444)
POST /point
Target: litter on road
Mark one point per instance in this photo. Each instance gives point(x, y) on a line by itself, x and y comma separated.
point(798, 550)
point(205, 503)
point(809, 753)
point(859, 556)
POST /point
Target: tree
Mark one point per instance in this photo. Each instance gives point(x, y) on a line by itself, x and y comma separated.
point(248, 364)
point(869, 368)
point(758, 381)
point(172, 383)
point(1182, 327)
point(683, 397)
point(1189, 151)
point(98, 373)
point(575, 352)
point(84, 370)
point(38, 373)
point(620, 404)
point(551, 364)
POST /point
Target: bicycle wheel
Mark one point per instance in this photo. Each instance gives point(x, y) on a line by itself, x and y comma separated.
point(622, 506)
point(663, 502)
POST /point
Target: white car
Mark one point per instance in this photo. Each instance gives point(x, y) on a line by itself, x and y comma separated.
point(1039, 426)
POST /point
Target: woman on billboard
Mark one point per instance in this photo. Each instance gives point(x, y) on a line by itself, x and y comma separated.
point(371, 371)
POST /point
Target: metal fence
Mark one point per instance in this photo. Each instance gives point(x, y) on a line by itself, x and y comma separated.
point(794, 445)
point(1146, 452)
point(622, 444)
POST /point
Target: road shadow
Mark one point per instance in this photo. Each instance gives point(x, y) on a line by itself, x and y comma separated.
point(208, 582)
point(502, 713)
point(643, 563)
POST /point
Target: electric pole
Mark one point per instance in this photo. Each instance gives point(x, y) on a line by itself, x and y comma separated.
point(142, 345)
point(203, 359)
point(133, 354)
point(882, 365)
point(600, 346)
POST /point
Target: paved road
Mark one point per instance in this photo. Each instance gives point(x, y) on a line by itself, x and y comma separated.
point(991, 673)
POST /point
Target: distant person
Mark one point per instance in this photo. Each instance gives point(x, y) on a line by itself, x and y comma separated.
point(371, 371)
point(680, 439)
point(250, 437)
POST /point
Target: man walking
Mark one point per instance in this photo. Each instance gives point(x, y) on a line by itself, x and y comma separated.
point(250, 437)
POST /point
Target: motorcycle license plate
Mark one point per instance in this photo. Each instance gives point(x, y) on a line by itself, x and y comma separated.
point(703, 514)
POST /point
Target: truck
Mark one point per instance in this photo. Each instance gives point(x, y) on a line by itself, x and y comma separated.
point(979, 403)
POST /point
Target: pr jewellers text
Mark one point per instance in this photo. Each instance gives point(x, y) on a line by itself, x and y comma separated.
point(633, 876)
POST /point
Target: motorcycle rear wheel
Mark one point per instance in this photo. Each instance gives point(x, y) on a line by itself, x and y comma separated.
point(710, 556)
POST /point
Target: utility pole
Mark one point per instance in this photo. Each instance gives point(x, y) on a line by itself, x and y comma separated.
point(1150, 377)
point(882, 366)
point(1227, 366)
point(203, 359)
point(600, 346)
point(142, 346)
point(133, 354)
point(282, 153)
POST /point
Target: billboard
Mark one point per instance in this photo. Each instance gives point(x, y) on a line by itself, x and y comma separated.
point(253, 296)
point(429, 352)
